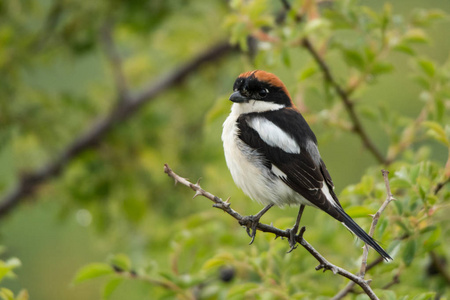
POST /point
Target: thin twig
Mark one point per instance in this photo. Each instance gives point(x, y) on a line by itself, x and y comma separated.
point(364, 266)
point(349, 287)
point(29, 182)
point(440, 185)
point(166, 284)
point(395, 280)
point(114, 58)
point(225, 206)
point(348, 103)
point(375, 218)
point(343, 95)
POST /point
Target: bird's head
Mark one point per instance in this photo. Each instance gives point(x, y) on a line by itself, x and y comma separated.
point(263, 90)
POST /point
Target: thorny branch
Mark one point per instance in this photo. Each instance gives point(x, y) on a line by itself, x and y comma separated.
point(225, 206)
point(125, 108)
point(375, 218)
point(364, 266)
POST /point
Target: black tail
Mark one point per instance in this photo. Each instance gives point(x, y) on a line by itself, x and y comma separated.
point(353, 227)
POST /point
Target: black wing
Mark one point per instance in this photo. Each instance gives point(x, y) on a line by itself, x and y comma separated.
point(303, 175)
point(306, 173)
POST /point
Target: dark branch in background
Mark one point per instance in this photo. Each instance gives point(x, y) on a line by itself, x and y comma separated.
point(440, 185)
point(225, 206)
point(343, 95)
point(440, 265)
point(124, 109)
point(348, 103)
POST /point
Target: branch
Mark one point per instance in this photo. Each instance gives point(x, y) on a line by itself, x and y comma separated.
point(225, 206)
point(375, 218)
point(114, 58)
point(364, 266)
point(440, 266)
point(349, 287)
point(348, 103)
point(440, 185)
point(29, 182)
point(166, 284)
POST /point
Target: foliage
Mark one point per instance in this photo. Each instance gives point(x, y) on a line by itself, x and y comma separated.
point(58, 78)
point(6, 271)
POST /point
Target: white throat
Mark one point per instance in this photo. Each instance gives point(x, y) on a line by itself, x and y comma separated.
point(254, 106)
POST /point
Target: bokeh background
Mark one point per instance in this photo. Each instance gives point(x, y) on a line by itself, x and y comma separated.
point(65, 65)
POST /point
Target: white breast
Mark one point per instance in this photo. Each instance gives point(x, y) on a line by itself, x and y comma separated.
point(248, 171)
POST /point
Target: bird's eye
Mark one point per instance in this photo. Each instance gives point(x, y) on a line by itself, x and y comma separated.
point(263, 93)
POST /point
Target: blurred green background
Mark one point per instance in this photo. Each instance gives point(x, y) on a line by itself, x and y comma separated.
point(56, 80)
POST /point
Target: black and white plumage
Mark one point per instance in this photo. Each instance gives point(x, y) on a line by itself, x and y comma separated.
point(272, 152)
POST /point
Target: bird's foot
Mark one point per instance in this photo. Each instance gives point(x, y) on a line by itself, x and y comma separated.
point(293, 237)
point(250, 223)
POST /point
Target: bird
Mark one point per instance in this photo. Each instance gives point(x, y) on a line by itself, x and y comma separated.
point(272, 155)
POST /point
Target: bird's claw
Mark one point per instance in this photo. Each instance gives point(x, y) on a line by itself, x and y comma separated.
point(250, 222)
point(293, 237)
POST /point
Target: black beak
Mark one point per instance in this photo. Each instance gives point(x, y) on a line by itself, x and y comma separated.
point(238, 98)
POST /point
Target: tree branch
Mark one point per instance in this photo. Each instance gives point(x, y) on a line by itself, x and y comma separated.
point(29, 182)
point(349, 287)
point(364, 266)
point(348, 103)
point(440, 266)
point(225, 206)
point(343, 95)
point(375, 218)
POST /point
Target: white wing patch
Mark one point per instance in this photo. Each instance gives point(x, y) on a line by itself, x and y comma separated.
point(278, 172)
point(326, 191)
point(273, 135)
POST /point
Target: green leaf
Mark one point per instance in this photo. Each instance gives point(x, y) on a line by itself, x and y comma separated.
point(7, 267)
point(416, 35)
point(354, 58)
point(387, 294)
point(433, 240)
point(399, 183)
point(286, 57)
point(238, 291)
point(425, 296)
point(414, 172)
point(382, 225)
point(315, 25)
point(307, 73)
point(359, 211)
point(219, 260)
point(437, 132)
point(403, 47)
point(6, 294)
point(91, 271)
point(120, 261)
point(409, 251)
point(399, 206)
point(110, 287)
point(382, 68)
point(427, 66)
